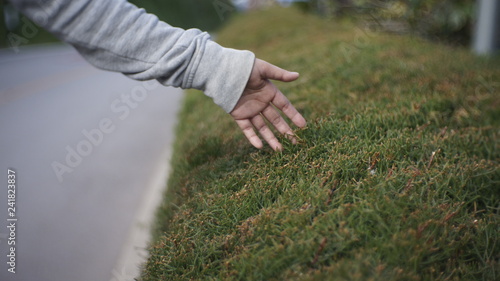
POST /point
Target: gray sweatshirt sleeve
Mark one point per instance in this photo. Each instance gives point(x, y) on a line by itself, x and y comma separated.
point(115, 35)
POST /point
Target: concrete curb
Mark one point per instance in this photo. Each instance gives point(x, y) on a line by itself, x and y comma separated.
point(135, 249)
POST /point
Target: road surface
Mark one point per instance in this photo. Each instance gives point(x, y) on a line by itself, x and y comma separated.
point(89, 151)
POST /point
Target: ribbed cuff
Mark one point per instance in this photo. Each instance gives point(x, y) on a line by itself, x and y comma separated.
point(223, 73)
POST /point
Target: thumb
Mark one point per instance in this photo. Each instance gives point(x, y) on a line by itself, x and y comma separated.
point(269, 71)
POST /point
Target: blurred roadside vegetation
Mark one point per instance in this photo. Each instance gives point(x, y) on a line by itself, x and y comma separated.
point(16, 30)
point(446, 21)
point(207, 15)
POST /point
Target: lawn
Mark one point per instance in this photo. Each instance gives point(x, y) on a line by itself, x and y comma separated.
point(396, 176)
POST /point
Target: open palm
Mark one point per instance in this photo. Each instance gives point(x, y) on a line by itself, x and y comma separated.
point(261, 101)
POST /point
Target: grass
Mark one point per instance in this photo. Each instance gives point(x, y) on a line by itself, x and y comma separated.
point(396, 176)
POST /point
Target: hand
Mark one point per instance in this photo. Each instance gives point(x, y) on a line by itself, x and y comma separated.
point(260, 101)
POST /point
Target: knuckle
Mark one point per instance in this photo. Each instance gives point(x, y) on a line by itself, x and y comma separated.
point(264, 129)
point(276, 120)
point(287, 106)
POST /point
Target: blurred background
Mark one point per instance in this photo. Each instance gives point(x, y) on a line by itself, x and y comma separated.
point(447, 21)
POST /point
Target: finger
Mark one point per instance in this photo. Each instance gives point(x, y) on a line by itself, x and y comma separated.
point(266, 133)
point(269, 71)
point(283, 104)
point(272, 115)
point(247, 128)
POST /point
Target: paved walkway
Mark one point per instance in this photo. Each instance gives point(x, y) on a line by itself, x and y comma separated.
point(90, 150)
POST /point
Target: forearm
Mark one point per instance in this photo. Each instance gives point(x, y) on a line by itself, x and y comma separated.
point(117, 36)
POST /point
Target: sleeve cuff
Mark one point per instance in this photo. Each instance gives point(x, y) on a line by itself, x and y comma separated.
point(223, 73)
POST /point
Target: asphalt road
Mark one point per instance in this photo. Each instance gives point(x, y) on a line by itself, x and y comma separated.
point(89, 150)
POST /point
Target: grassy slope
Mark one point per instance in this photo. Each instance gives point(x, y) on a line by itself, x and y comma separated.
point(423, 118)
